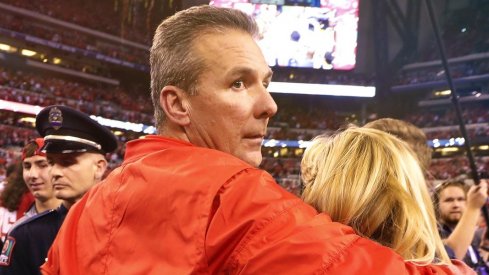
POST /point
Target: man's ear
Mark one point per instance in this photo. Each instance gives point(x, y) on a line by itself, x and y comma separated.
point(173, 101)
point(100, 167)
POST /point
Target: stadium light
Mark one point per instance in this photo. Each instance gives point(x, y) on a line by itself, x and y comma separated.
point(5, 47)
point(19, 107)
point(321, 89)
point(26, 52)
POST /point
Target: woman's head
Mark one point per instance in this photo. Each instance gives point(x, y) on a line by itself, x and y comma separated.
point(372, 181)
point(409, 133)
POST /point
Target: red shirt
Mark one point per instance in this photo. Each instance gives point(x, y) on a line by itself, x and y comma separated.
point(173, 208)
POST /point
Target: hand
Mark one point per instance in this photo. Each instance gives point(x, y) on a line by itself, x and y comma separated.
point(477, 195)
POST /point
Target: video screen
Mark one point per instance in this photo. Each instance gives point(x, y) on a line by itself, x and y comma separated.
point(320, 34)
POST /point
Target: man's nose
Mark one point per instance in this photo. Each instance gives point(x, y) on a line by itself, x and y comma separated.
point(55, 172)
point(266, 105)
point(456, 204)
point(33, 172)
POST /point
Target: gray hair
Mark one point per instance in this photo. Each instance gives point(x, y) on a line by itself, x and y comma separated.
point(171, 58)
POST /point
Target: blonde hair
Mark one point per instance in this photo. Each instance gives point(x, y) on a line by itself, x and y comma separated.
point(409, 133)
point(371, 181)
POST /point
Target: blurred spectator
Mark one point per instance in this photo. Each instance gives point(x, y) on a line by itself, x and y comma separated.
point(15, 200)
point(458, 213)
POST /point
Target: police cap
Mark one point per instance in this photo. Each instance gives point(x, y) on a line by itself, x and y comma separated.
point(66, 130)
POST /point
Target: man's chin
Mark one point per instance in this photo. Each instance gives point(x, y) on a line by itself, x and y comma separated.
point(452, 221)
point(37, 195)
point(60, 195)
point(253, 159)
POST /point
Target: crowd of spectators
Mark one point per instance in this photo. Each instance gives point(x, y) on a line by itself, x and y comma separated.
point(15, 132)
point(284, 133)
point(112, 17)
point(106, 17)
point(437, 73)
point(454, 132)
point(292, 122)
point(464, 33)
point(447, 168)
point(301, 117)
point(12, 134)
point(322, 77)
point(106, 101)
point(303, 122)
point(476, 113)
point(314, 113)
point(116, 103)
point(285, 171)
point(72, 38)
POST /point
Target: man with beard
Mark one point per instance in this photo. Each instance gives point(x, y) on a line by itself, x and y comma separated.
point(458, 212)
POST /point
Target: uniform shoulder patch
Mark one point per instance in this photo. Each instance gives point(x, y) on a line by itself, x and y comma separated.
point(7, 249)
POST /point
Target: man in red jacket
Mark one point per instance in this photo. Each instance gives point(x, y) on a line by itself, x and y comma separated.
point(190, 200)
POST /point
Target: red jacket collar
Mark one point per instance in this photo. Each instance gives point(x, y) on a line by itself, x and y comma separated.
point(151, 143)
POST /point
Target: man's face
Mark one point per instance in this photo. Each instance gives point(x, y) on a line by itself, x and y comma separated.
point(36, 176)
point(72, 174)
point(232, 107)
point(452, 204)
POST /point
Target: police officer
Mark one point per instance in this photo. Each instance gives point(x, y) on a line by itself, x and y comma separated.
point(75, 146)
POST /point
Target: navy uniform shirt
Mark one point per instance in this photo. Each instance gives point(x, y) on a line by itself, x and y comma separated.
point(27, 245)
point(472, 257)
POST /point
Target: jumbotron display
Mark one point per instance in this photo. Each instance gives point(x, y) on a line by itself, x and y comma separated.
point(304, 33)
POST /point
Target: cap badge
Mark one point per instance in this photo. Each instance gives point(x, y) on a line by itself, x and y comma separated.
point(55, 118)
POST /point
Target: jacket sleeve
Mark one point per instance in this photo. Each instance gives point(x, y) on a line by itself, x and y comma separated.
point(15, 256)
point(259, 228)
point(55, 264)
point(51, 265)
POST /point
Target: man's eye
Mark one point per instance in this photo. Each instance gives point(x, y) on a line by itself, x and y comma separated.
point(266, 84)
point(67, 162)
point(239, 84)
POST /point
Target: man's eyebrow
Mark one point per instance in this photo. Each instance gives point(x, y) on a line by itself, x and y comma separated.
point(242, 70)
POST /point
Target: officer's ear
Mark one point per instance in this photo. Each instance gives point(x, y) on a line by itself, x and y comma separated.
point(100, 167)
point(174, 102)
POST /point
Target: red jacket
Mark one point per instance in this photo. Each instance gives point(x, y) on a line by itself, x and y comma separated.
point(173, 208)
